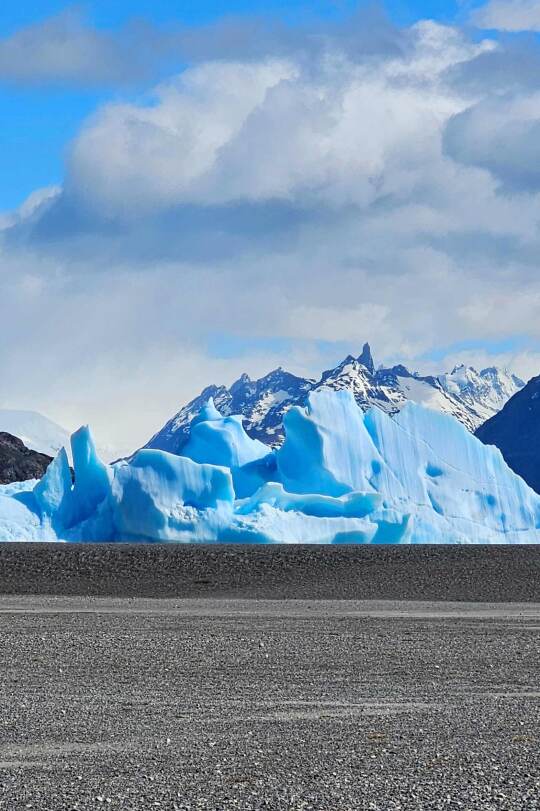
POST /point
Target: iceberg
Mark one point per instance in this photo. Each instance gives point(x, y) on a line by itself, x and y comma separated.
point(341, 476)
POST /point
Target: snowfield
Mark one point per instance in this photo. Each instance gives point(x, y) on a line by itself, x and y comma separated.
point(341, 476)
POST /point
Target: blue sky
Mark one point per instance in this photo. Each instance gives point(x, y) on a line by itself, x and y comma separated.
point(227, 187)
point(107, 14)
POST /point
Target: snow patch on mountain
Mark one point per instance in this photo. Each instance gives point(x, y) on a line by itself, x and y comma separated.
point(484, 393)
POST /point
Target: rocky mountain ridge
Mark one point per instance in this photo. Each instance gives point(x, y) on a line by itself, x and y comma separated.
point(469, 395)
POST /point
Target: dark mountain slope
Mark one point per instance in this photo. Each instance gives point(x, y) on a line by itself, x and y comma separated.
point(515, 430)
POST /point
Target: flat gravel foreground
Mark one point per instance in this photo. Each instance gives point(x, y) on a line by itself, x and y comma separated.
point(254, 704)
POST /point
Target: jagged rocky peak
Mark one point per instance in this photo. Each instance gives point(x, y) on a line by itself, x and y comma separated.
point(397, 371)
point(274, 376)
point(366, 358)
point(491, 387)
point(493, 374)
point(243, 382)
point(362, 366)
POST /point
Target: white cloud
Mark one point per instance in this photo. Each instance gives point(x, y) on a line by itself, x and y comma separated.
point(509, 15)
point(345, 133)
point(133, 158)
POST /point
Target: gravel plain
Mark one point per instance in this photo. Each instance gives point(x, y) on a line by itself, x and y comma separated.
point(247, 703)
point(222, 704)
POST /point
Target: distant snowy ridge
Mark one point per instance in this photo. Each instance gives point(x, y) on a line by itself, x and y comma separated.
point(36, 431)
point(341, 475)
point(41, 434)
point(484, 393)
point(470, 396)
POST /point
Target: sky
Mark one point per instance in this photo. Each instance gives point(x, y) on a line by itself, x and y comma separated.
point(191, 190)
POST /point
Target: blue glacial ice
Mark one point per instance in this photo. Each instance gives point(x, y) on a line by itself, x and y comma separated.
point(222, 441)
point(341, 476)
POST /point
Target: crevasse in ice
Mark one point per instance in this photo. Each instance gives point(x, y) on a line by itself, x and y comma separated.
point(341, 476)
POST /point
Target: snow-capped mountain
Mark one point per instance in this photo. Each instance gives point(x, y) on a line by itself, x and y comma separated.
point(484, 392)
point(262, 402)
point(41, 434)
point(36, 431)
point(470, 396)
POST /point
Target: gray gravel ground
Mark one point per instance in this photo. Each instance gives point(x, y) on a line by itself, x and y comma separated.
point(251, 704)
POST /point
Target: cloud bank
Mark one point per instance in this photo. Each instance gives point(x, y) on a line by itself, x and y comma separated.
point(311, 194)
point(67, 49)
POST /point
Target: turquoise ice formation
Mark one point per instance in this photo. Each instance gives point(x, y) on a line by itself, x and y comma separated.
point(341, 476)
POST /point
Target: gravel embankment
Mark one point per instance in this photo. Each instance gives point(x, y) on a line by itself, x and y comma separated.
point(492, 574)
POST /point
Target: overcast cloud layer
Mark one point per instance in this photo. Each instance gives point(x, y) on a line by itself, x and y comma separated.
point(365, 183)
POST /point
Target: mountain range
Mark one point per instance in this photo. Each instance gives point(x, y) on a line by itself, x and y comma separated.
point(470, 396)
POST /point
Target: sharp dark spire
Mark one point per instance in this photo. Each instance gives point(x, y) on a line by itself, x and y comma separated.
point(366, 358)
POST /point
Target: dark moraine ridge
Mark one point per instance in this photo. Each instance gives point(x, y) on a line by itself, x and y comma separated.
point(430, 572)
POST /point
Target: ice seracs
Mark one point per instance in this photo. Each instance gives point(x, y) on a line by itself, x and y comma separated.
point(341, 475)
point(223, 441)
point(161, 497)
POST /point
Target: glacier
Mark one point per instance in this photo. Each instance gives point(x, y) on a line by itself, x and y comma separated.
point(342, 475)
